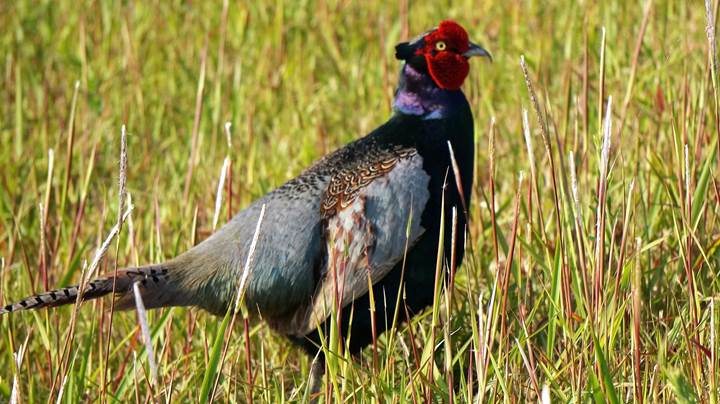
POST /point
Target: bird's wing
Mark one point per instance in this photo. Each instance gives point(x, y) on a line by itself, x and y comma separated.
point(284, 263)
point(372, 213)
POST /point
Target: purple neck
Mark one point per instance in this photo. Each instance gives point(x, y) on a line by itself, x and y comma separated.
point(417, 94)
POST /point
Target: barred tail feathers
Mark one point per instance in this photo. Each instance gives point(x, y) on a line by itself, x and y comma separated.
point(152, 279)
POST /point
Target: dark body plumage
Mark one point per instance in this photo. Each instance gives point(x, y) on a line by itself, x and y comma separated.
point(429, 137)
point(325, 232)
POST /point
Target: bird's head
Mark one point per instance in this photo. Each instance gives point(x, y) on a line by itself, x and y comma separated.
point(443, 52)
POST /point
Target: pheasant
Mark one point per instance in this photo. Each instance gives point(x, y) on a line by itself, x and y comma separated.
point(365, 216)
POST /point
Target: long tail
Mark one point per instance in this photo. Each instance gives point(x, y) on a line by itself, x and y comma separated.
point(153, 280)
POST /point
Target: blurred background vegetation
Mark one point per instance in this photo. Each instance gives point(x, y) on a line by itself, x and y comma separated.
point(297, 79)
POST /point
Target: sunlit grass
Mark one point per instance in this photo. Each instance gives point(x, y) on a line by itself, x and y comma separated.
point(541, 303)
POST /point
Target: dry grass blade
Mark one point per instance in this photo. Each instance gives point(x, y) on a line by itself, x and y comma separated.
point(529, 368)
point(228, 135)
point(575, 189)
point(637, 315)
point(710, 32)
point(509, 260)
point(545, 395)
point(712, 50)
point(534, 185)
point(192, 160)
point(147, 339)
point(220, 187)
point(491, 170)
point(102, 250)
point(249, 260)
point(536, 106)
point(528, 143)
point(18, 360)
point(122, 181)
point(579, 230)
point(61, 391)
point(601, 204)
point(44, 217)
point(626, 228)
point(458, 179)
point(233, 315)
point(121, 219)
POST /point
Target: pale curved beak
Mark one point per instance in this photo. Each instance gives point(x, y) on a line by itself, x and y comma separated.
point(477, 50)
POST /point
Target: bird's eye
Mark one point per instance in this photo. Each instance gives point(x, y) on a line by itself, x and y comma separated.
point(440, 45)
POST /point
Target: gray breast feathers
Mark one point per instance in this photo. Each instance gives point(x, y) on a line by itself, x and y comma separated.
point(366, 236)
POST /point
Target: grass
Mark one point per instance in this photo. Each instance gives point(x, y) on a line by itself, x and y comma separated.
point(592, 279)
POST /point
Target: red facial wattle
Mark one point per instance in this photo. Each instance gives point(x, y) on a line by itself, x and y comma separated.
point(446, 64)
point(447, 69)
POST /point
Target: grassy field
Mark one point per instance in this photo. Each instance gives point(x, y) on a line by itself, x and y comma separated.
point(592, 279)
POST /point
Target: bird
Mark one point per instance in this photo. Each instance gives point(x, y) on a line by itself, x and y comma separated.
point(364, 218)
